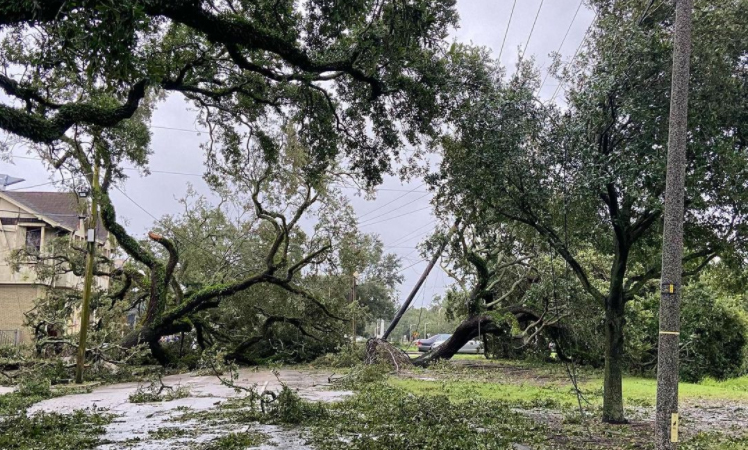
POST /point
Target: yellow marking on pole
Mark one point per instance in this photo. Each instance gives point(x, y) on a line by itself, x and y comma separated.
point(674, 427)
point(676, 333)
point(672, 288)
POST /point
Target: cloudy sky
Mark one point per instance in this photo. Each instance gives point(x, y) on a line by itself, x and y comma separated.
point(400, 214)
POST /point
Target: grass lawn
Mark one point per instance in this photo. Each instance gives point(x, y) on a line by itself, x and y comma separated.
point(711, 410)
point(548, 383)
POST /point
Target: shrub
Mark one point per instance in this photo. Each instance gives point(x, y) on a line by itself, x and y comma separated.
point(713, 334)
point(345, 357)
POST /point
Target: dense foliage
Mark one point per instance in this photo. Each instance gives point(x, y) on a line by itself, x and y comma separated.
point(587, 182)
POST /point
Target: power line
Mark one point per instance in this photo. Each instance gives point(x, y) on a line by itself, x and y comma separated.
point(412, 265)
point(584, 38)
point(393, 210)
point(167, 172)
point(396, 243)
point(179, 129)
point(391, 202)
point(581, 2)
point(36, 185)
point(384, 189)
point(639, 21)
point(160, 222)
point(396, 217)
point(407, 236)
point(532, 29)
point(507, 30)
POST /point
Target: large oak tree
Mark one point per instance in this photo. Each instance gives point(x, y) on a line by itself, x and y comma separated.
point(591, 176)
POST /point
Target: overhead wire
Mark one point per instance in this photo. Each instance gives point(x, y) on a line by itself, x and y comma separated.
point(161, 127)
point(566, 35)
point(410, 235)
point(511, 14)
point(576, 52)
point(394, 217)
point(183, 239)
point(532, 30)
point(392, 210)
point(34, 186)
point(643, 16)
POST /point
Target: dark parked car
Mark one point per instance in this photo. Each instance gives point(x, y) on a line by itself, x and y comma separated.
point(424, 345)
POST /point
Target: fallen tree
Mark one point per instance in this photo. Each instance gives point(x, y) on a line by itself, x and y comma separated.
point(495, 304)
point(150, 284)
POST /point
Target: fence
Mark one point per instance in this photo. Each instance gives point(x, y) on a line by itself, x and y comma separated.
point(10, 338)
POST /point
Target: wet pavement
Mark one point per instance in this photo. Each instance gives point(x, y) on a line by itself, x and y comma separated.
point(135, 421)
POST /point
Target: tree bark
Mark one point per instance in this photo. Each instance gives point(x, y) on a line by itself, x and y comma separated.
point(613, 381)
point(467, 330)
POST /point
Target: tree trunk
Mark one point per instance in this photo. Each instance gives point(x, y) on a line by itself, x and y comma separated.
point(467, 330)
point(613, 383)
point(151, 334)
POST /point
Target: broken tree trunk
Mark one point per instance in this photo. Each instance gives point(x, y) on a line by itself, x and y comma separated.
point(474, 326)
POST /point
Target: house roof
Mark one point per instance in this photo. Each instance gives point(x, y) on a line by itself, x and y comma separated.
point(63, 209)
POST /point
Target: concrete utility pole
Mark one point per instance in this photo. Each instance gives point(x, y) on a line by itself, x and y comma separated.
point(87, 284)
point(666, 427)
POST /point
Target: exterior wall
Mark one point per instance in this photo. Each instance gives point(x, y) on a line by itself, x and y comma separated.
point(15, 300)
point(13, 237)
point(18, 290)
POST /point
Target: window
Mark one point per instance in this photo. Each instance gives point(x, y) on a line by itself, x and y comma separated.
point(33, 239)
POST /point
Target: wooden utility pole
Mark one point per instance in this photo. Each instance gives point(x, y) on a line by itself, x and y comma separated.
point(414, 291)
point(353, 303)
point(88, 282)
point(666, 427)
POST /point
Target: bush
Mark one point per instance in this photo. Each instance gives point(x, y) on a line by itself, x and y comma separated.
point(345, 357)
point(288, 408)
point(35, 387)
point(713, 334)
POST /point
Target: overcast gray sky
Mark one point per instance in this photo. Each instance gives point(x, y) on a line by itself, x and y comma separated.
point(176, 149)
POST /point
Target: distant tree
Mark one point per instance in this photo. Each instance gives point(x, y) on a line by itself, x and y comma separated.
point(379, 275)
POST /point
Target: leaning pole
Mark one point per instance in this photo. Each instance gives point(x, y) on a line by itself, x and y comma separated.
point(424, 275)
point(666, 427)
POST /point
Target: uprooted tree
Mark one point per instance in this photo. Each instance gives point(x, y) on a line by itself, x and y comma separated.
point(498, 290)
point(280, 193)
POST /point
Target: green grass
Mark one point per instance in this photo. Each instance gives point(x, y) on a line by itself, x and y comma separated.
point(520, 394)
point(646, 388)
point(470, 357)
point(637, 391)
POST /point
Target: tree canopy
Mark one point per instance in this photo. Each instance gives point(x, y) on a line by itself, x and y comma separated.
point(591, 177)
point(358, 78)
